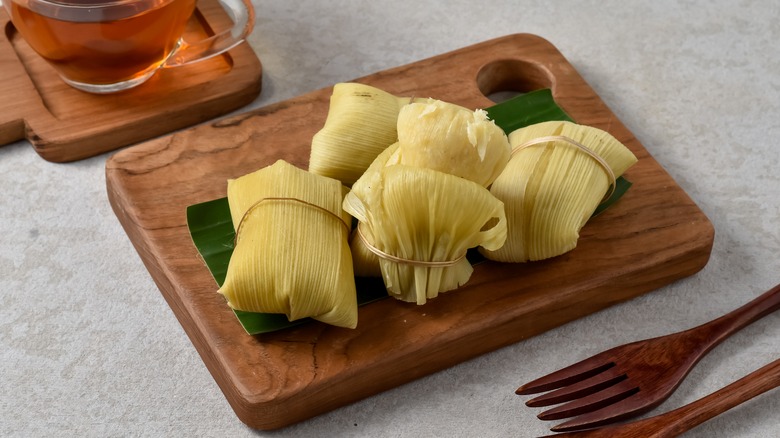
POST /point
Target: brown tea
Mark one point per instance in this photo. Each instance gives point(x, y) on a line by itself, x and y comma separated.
point(98, 45)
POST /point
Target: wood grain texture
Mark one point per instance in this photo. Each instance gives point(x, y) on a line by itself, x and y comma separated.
point(653, 236)
point(638, 376)
point(65, 124)
point(674, 423)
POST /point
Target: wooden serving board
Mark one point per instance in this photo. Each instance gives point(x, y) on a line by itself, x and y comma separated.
point(651, 237)
point(65, 124)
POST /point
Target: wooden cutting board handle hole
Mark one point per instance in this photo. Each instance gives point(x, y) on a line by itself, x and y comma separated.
point(506, 78)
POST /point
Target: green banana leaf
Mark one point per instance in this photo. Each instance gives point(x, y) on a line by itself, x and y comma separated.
point(211, 226)
point(526, 109)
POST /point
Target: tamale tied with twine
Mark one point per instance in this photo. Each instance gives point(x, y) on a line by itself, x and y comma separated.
point(422, 203)
point(419, 223)
point(291, 251)
point(558, 174)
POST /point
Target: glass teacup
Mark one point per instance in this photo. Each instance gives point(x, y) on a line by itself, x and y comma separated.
point(105, 46)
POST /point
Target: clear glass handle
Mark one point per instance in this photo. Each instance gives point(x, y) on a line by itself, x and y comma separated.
point(243, 15)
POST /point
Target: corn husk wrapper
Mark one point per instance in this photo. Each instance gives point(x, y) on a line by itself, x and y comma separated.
point(360, 124)
point(452, 139)
point(441, 136)
point(550, 190)
point(365, 262)
point(419, 214)
point(291, 255)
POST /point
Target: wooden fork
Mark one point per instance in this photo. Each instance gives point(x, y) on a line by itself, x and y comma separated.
point(631, 379)
point(674, 423)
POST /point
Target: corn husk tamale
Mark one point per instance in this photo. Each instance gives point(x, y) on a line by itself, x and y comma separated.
point(291, 252)
point(551, 188)
point(360, 124)
point(422, 222)
point(450, 138)
point(441, 136)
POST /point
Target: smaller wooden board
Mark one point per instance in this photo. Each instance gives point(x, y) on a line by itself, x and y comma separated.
point(64, 124)
point(653, 236)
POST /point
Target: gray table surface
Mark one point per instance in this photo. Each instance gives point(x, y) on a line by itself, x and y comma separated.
point(88, 347)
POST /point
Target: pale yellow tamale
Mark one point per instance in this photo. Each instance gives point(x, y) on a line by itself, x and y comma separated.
point(441, 136)
point(551, 187)
point(291, 254)
point(450, 138)
point(360, 124)
point(365, 262)
point(421, 222)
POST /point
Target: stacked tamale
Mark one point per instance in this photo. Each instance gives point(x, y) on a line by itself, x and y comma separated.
point(422, 203)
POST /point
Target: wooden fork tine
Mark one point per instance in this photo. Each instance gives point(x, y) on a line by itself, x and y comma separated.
point(566, 376)
point(628, 407)
point(580, 389)
point(591, 402)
